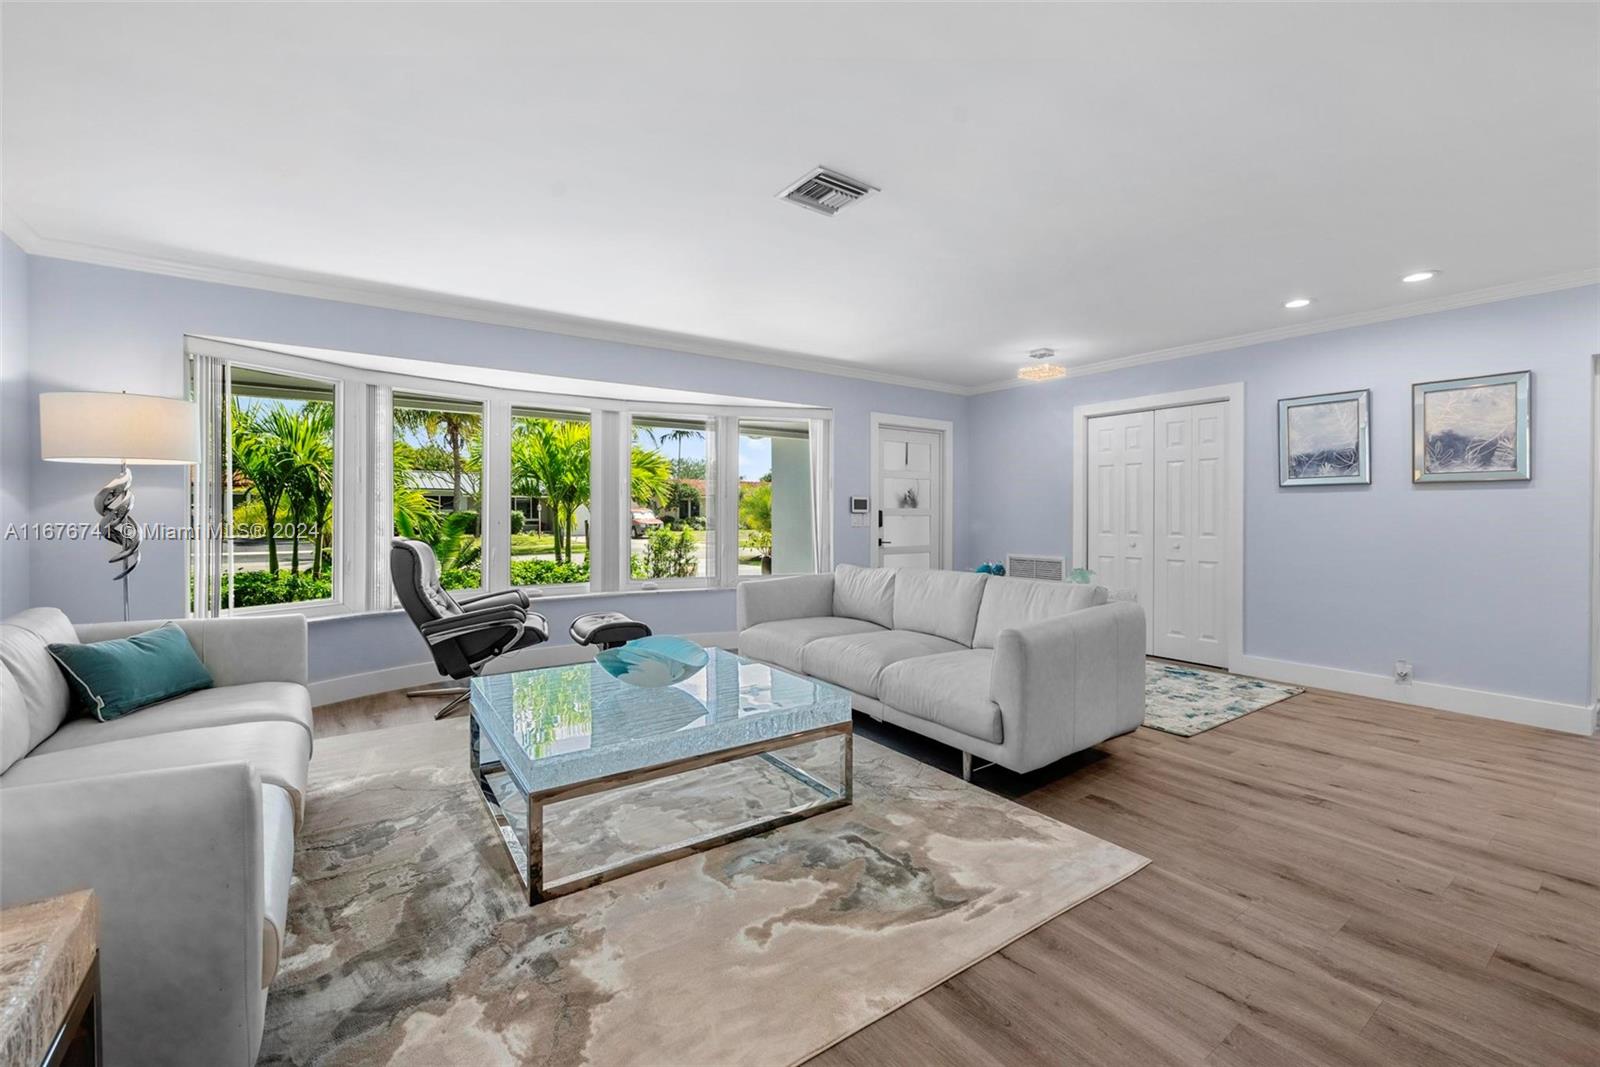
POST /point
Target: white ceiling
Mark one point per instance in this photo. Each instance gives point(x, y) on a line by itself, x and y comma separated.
point(1108, 180)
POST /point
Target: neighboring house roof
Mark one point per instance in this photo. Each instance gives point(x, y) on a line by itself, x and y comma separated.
point(437, 481)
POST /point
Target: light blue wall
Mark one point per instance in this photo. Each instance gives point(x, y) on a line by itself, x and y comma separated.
point(16, 425)
point(104, 328)
point(1481, 585)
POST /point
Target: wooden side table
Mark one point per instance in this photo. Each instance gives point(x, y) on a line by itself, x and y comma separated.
point(50, 982)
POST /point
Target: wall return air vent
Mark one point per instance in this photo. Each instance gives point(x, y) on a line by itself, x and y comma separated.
point(826, 191)
point(1044, 568)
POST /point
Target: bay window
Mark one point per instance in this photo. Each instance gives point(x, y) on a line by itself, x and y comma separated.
point(310, 466)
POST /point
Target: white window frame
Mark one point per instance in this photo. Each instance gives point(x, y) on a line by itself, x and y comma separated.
point(363, 477)
point(348, 553)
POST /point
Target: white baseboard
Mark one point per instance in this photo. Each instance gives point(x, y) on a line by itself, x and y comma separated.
point(1550, 714)
point(414, 675)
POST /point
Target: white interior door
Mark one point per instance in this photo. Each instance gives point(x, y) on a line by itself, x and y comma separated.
point(1121, 498)
point(910, 499)
point(1189, 519)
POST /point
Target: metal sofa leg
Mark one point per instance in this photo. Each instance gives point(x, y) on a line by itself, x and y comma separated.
point(967, 766)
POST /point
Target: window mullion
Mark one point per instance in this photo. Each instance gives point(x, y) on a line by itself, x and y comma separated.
point(494, 495)
point(727, 504)
point(380, 496)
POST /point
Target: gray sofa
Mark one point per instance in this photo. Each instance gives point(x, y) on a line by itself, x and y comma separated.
point(181, 816)
point(1011, 670)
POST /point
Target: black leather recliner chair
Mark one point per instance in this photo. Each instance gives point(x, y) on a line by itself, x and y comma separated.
point(464, 635)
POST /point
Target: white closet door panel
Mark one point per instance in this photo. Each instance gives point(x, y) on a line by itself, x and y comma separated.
point(1119, 499)
point(1190, 531)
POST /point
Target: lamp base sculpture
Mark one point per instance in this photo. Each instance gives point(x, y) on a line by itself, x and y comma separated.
point(113, 502)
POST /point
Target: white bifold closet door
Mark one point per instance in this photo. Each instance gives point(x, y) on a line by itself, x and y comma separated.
point(1190, 506)
point(1121, 505)
point(1157, 505)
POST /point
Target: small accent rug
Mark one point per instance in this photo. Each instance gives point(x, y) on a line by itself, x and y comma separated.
point(1188, 701)
point(410, 942)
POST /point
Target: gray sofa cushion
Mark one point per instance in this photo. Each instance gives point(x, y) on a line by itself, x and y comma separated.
point(950, 689)
point(13, 720)
point(24, 638)
point(1012, 602)
point(944, 603)
point(865, 593)
point(279, 752)
point(856, 661)
point(223, 706)
point(780, 642)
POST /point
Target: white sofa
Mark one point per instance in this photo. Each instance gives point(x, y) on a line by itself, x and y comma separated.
point(1011, 670)
point(181, 816)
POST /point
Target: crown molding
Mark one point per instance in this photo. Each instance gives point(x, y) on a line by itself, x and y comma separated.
point(402, 298)
point(1549, 284)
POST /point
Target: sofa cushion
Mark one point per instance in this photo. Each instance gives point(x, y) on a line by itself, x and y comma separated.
point(13, 720)
point(865, 593)
point(944, 603)
point(279, 752)
point(24, 650)
point(1012, 602)
point(225, 705)
point(277, 871)
point(779, 642)
point(951, 689)
point(856, 661)
point(110, 679)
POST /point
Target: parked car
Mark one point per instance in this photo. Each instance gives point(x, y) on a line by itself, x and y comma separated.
point(644, 520)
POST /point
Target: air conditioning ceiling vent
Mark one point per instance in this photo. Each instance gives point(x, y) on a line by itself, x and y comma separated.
point(826, 191)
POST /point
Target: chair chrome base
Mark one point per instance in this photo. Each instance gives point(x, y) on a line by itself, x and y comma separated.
point(460, 692)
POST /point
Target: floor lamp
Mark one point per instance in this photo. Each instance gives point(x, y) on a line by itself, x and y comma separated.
point(124, 429)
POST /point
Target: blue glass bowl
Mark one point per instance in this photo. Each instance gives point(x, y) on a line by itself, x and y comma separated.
point(652, 662)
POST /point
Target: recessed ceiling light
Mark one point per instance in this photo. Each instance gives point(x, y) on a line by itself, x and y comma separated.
point(1297, 302)
point(1420, 276)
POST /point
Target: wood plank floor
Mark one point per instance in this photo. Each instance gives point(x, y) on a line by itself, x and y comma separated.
point(1334, 880)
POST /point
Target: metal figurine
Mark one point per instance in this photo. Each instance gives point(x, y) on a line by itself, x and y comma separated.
point(113, 502)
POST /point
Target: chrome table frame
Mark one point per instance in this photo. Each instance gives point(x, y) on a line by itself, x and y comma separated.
point(529, 861)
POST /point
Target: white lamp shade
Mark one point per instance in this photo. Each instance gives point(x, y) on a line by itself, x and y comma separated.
point(117, 428)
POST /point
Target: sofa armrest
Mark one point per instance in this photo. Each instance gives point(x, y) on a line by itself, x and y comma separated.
point(175, 858)
point(1066, 683)
point(800, 596)
point(268, 648)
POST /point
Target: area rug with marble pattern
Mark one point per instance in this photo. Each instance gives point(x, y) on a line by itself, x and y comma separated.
point(410, 942)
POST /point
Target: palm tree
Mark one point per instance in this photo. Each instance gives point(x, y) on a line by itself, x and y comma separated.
point(457, 428)
point(651, 476)
point(255, 456)
point(304, 449)
point(414, 514)
point(550, 459)
point(680, 436)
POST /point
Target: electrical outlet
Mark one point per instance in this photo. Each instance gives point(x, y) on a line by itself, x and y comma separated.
point(1402, 671)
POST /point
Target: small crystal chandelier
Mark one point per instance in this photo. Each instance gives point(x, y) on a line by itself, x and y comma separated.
point(1041, 371)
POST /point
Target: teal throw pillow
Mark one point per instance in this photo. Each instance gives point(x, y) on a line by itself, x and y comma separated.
point(109, 679)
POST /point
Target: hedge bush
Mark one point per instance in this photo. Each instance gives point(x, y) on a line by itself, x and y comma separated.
point(548, 572)
point(252, 589)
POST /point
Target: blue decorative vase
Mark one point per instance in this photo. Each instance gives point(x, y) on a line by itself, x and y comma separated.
point(652, 662)
point(998, 570)
point(986, 568)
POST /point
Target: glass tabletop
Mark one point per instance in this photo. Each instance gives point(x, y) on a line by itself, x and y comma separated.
point(562, 726)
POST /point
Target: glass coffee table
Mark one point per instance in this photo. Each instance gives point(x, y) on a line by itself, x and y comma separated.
point(557, 735)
